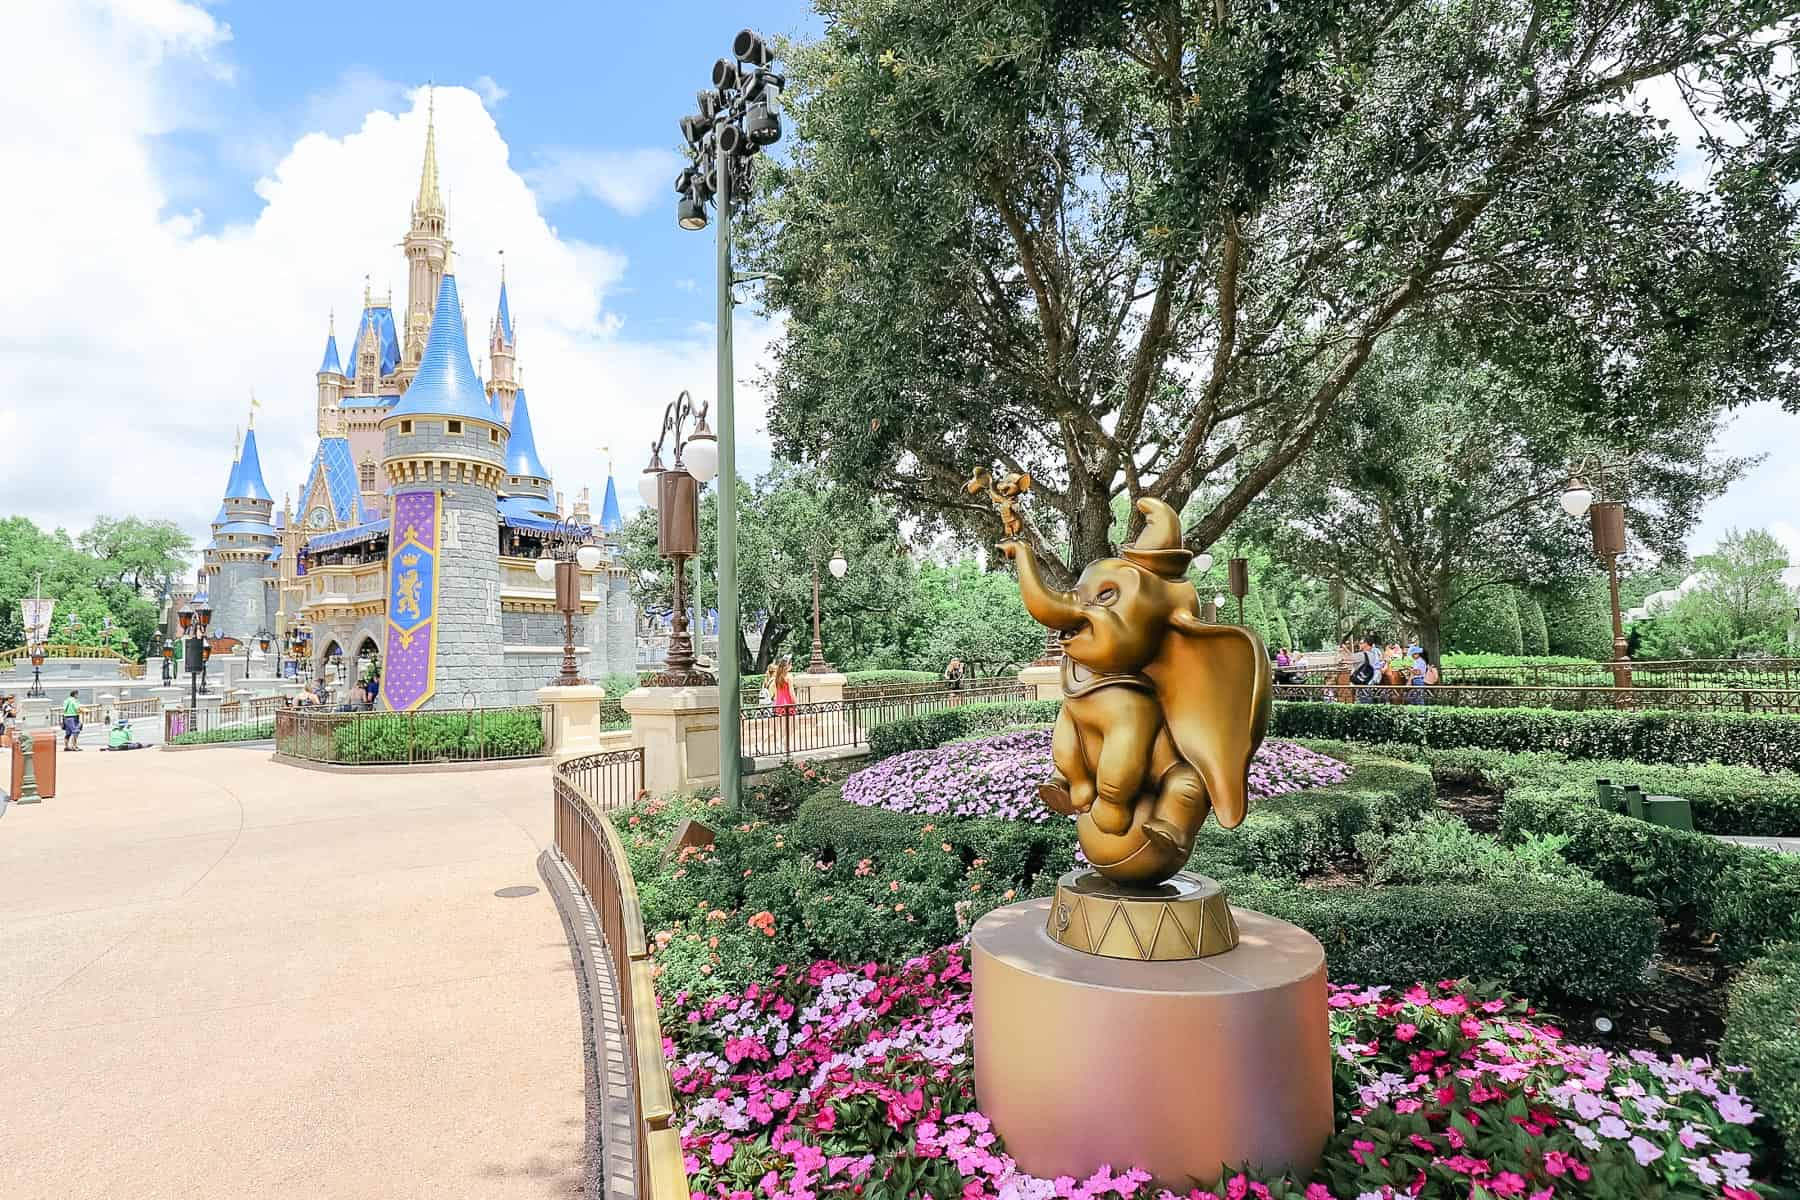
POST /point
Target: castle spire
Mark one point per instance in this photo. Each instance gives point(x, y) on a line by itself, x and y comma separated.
point(429, 201)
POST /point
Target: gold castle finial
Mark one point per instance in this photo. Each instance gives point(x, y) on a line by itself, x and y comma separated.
point(429, 201)
point(365, 292)
point(251, 420)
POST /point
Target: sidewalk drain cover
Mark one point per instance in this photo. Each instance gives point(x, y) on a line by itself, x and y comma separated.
point(514, 892)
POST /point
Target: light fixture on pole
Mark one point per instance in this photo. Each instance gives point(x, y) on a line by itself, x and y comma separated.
point(568, 551)
point(677, 507)
point(737, 117)
point(1606, 523)
point(838, 566)
point(1239, 583)
point(194, 618)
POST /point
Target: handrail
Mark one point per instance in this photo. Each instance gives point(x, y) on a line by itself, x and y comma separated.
point(1743, 699)
point(583, 789)
point(776, 730)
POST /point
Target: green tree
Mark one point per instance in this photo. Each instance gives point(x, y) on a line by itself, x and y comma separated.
point(1443, 480)
point(147, 556)
point(1578, 618)
point(1484, 621)
point(1741, 607)
point(789, 520)
point(1146, 249)
point(964, 612)
point(1534, 638)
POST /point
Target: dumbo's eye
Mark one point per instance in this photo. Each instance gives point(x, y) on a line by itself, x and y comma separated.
point(1107, 595)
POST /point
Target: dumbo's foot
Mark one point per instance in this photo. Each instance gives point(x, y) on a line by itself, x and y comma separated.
point(1168, 836)
point(1111, 817)
point(1055, 796)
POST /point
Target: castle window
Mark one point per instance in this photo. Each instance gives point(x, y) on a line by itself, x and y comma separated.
point(494, 436)
point(367, 474)
point(455, 428)
point(406, 427)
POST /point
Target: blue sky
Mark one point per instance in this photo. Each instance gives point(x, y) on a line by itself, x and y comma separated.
point(561, 79)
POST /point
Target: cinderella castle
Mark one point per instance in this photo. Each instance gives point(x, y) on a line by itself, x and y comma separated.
point(422, 515)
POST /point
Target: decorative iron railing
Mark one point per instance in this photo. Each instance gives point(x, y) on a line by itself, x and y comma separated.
point(1461, 695)
point(219, 722)
point(410, 738)
point(583, 788)
point(1716, 674)
point(784, 731)
point(62, 650)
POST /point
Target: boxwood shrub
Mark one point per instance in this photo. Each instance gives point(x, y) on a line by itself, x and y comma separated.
point(1541, 940)
point(1770, 742)
point(948, 724)
point(259, 732)
point(375, 738)
point(1750, 897)
point(1762, 1032)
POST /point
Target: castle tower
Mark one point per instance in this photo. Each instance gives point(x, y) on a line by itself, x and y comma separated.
point(444, 453)
point(241, 548)
point(502, 355)
point(526, 474)
point(332, 382)
point(427, 248)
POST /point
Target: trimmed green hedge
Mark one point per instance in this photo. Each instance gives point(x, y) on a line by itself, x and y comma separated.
point(1534, 635)
point(1733, 800)
point(1288, 836)
point(373, 739)
point(1578, 619)
point(1485, 622)
point(1750, 897)
point(1769, 742)
point(1541, 940)
point(1762, 1032)
point(946, 725)
point(873, 679)
point(260, 732)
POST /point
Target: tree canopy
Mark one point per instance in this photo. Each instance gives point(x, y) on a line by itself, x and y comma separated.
point(108, 579)
point(1146, 249)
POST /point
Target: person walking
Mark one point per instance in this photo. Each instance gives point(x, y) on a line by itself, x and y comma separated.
point(1366, 668)
point(781, 689)
point(71, 722)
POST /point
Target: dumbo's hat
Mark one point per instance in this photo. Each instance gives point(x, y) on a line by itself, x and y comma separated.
point(1158, 548)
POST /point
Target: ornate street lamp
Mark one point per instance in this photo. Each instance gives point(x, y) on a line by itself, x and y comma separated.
point(839, 566)
point(737, 117)
point(194, 618)
point(568, 551)
point(675, 494)
point(1240, 584)
point(1606, 521)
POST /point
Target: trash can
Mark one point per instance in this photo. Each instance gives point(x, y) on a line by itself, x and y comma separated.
point(43, 748)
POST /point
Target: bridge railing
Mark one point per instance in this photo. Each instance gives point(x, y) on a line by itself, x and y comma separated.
point(583, 789)
point(784, 731)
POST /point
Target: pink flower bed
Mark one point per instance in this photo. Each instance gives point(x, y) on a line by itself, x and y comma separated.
point(999, 777)
point(842, 1080)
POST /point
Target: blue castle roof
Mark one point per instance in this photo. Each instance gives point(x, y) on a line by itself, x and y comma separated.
point(521, 451)
point(610, 520)
point(340, 479)
point(331, 364)
point(505, 314)
point(382, 318)
point(446, 385)
point(246, 482)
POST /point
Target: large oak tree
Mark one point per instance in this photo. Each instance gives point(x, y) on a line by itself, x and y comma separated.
point(1144, 248)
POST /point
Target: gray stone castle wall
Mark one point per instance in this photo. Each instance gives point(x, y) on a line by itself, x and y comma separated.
point(237, 596)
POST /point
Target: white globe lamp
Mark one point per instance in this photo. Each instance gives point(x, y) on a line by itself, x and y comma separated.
point(588, 557)
point(1578, 498)
point(838, 565)
point(648, 483)
point(701, 457)
point(546, 569)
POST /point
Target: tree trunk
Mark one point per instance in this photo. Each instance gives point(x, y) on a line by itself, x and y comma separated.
point(1431, 639)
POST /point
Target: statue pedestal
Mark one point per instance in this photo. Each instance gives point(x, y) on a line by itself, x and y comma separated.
point(1176, 1067)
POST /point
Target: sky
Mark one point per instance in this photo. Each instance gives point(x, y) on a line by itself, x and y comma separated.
point(205, 185)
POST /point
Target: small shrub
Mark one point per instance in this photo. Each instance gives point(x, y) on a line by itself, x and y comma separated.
point(1441, 849)
point(1762, 1032)
point(1770, 742)
point(946, 725)
point(374, 738)
point(259, 732)
point(1544, 939)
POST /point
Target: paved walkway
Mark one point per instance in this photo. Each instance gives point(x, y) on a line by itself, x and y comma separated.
point(1779, 845)
point(223, 977)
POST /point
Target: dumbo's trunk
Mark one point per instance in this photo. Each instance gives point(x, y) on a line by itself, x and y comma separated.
point(1058, 610)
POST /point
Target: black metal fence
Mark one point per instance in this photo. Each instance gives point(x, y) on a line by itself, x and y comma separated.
point(1461, 695)
point(407, 738)
point(233, 720)
point(784, 731)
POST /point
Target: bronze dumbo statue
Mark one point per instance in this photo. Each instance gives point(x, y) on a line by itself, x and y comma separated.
point(1161, 711)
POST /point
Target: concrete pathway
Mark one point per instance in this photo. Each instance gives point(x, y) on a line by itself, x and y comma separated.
point(223, 977)
point(1779, 845)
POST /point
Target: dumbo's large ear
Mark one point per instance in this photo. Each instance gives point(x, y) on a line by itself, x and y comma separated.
point(1215, 688)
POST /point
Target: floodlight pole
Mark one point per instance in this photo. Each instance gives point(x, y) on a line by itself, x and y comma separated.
point(730, 694)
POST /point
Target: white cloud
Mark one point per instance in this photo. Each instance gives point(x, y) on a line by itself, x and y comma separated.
point(1769, 492)
point(628, 180)
point(491, 92)
point(135, 335)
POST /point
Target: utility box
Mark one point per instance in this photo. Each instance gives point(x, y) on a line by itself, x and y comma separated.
point(1671, 811)
point(43, 748)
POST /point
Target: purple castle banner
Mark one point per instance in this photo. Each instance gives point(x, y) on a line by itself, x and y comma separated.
point(409, 667)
